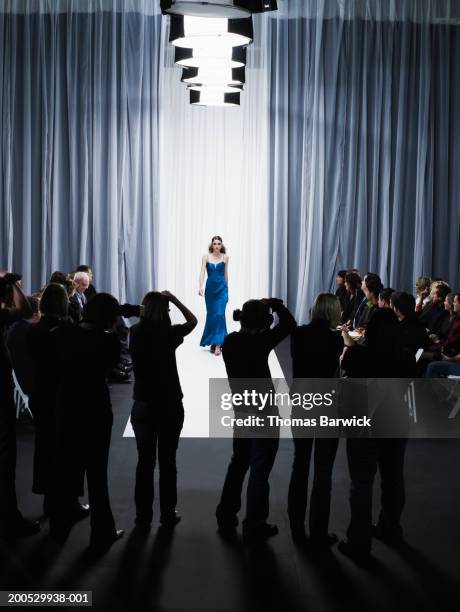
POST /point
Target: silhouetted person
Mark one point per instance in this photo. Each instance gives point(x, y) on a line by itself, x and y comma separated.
point(50, 341)
point(382, 356)
point(157, 415)
point(13, 306)
point(413, 333)
point(315, 350)
point(246, 356)
point(18, 347)
point(355, 296)
point(341, 291)
point(89, 422)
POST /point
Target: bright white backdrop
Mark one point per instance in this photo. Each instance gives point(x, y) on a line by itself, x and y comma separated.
point(213, 180)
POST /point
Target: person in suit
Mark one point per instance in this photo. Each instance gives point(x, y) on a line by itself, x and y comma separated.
point(86, 424)
point(90, 291)
point(382, 356)
point(245, 355)
point(49, 342)
point(78, 298)
point(315, 350)
point(13, 307)
point(157, 415)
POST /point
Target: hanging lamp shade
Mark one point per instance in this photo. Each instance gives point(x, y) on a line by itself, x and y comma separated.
point(214, 76)
point(220, 56)
point(216, 88)
point(214, 98)
point(190, 32)
point(217, 8)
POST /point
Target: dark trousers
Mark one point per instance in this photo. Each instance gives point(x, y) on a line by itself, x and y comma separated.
point(364, 456)
point(96, 461)
point(324, 457)
point(9, 512)
point(257, 455)
point(156, 427)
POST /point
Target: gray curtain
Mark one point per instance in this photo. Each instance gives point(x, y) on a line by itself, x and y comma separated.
point(79, 141)
point(365, 144)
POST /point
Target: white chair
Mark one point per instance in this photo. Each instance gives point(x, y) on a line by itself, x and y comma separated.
point(21, 400)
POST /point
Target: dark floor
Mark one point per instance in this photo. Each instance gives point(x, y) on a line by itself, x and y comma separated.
point(194, 570)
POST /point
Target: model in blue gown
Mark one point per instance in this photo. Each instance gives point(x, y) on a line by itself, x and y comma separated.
point(216, 296)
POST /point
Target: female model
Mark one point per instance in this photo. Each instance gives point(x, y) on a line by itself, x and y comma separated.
point(216, 294)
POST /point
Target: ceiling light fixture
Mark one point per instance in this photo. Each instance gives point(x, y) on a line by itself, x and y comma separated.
point(191, 32)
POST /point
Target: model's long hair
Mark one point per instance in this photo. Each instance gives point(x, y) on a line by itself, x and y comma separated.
point(223, 250)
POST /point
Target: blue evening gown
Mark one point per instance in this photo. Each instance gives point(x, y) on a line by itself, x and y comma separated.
point(216, 296)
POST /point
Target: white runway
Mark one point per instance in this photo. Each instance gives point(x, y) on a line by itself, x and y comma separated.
point(196, 366)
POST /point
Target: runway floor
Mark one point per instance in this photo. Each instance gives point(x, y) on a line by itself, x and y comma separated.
point(193, 570)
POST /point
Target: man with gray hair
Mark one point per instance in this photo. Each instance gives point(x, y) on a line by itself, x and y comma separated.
point(81, 280)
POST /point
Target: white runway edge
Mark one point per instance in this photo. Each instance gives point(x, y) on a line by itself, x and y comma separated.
point(196, 366)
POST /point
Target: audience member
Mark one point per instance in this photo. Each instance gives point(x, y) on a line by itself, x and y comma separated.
point(433, 312)
point(81, 280)
point(13, 307)
point(385, 297)
point(422, 291)
point(50, 340)
point(91, 289)
point(95, 352)
point(158, 414)
point(355, 297)
point(341, 291)
point(371, 286)
point(413, 334)
point(315, 350)
point(383, 356)
point(245, 355)
point(16, 339)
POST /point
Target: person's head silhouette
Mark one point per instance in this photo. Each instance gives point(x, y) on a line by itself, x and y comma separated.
point(255, 316)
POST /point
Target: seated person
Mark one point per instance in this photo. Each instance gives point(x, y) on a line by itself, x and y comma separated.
point(422, 291)
point(413, 334)
point(447, 366)
point(355, 296)
point(371, 287)
point(433, 312)
point(341, 291)
point(384, 297)
point(441, 328)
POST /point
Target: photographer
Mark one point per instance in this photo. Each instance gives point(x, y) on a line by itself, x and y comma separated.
point(13, 306)
point(89, 418)
point(157, 415)
point(245, 355)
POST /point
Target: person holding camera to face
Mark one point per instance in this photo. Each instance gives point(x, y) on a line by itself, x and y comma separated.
point(157, 415)
point(245, 355)
point(13, 307)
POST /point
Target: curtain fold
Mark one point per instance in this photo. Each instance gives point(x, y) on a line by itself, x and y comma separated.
point(79, 137)
point(364, 145)
point(344, 151)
